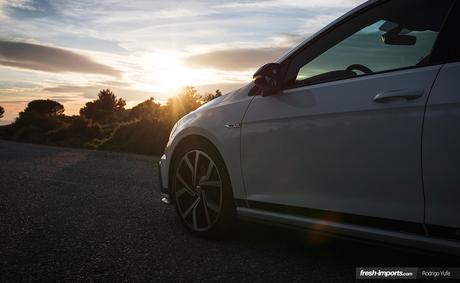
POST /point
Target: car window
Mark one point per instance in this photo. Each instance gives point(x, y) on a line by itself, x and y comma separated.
point(385, 39)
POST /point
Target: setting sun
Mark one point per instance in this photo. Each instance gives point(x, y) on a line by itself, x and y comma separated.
point(165, 72)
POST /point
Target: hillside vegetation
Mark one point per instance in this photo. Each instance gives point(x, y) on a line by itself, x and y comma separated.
point(104, 123)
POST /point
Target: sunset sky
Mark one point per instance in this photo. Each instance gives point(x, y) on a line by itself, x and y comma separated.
point(68, 50)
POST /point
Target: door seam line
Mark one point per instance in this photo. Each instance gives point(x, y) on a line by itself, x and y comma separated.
point(421, 148)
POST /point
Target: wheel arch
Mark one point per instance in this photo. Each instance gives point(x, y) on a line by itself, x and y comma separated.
point(194, 138)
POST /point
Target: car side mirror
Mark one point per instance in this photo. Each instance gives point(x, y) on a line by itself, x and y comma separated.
point(267, 78)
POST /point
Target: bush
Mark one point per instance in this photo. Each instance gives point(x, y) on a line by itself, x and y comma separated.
point(143, 137)
point(147, 110)
point(76, 132)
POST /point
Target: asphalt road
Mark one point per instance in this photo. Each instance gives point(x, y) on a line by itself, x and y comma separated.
point(81, 215)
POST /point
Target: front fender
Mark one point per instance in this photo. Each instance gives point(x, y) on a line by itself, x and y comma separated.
point(210, 122)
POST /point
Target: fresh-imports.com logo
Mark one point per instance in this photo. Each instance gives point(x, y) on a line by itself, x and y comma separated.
point(386, 273)
point(382, 273)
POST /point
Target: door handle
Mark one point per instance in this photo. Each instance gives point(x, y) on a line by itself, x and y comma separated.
point(396, 94)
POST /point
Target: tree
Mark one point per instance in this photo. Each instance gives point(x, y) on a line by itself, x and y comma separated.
point(148, 110)
point(39, 117)
point(183, 103)
point(210, 96)
point(44, 108)
point(105, 109)
point(2, 111)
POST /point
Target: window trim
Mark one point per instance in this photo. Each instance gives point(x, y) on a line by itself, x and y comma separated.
point(287, 62)
point(289, 76)
point(443, 43)
point(293, 87)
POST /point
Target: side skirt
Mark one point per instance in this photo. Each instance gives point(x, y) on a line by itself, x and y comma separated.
point(350, 230)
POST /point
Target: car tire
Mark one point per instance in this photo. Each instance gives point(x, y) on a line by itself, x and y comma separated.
point(201, 190)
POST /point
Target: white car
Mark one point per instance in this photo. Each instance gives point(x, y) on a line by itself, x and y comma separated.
point(356, 132)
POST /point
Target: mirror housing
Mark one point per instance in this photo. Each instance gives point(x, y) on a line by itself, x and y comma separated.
point(398, 36)
point(267, 78)
point(399, 39)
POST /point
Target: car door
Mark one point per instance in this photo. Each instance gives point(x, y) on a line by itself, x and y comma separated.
point(441, 139)
point(337, 141)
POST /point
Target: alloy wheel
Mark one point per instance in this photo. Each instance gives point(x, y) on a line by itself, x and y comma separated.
point(198, 190)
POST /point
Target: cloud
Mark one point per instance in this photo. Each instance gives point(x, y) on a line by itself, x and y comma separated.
point(20, 5)
point(89, 43)
point(49, 59)
point(237, 59)
point(299, 4)
point(90, 91)
point(74, 89)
